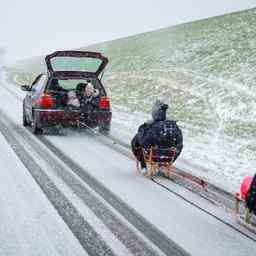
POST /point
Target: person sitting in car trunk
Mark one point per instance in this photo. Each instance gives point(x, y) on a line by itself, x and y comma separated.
point(89, 100)
point(159, 132)
point(80, 90)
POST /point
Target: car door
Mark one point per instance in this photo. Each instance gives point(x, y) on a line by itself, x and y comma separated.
point(28, 98)
point(37, 88)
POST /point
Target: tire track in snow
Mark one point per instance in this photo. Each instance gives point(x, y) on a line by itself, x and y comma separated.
point(83, 231)
point(71, 216)
point(159, 239)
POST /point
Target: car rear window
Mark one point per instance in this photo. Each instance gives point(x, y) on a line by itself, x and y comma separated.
point(85, 64)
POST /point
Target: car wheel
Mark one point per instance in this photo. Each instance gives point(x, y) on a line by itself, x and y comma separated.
point(104, 129)
point(35, 128)
point(24, 118)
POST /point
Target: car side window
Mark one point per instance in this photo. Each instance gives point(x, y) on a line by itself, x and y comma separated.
point(39, 83)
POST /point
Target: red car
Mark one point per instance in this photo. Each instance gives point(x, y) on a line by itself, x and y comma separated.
point(68, 73)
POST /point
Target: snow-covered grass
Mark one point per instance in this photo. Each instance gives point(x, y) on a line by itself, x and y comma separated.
point(206, 71)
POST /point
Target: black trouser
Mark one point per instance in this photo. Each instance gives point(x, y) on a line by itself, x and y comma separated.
point(251, 197)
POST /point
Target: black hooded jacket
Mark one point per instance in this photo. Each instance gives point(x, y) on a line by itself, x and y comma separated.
point(159, 132)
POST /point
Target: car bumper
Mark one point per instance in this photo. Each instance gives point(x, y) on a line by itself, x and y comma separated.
point(54, 117)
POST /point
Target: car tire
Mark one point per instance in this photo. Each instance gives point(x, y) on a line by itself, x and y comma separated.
point(105, 129)
point(24, 118)
point(35, 128)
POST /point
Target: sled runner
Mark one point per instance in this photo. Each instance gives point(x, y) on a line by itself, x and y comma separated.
point(245, 217)
point(159, 161)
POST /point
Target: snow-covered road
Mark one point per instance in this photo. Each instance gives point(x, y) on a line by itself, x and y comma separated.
point(29, 224)
point(192, 229)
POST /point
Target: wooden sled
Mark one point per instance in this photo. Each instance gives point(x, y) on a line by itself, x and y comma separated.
point(160, 161)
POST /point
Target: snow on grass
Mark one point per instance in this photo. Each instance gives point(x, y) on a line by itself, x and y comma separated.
point(206, 71)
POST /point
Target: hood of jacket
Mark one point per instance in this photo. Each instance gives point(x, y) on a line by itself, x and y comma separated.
point(159, 111)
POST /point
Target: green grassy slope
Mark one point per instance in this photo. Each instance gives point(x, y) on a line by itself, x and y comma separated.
point(206, 70)
point(189, 63)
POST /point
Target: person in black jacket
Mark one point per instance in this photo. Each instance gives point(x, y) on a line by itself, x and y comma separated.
point(160, 132)
point(89, 100)
point(250, 200)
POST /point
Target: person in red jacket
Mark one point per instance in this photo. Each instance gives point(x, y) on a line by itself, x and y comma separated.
point(248, 193)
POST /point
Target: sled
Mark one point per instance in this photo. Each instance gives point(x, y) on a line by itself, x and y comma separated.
point(159, 162)
point(245, 218)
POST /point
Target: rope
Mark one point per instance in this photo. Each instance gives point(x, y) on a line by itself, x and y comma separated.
point(203, 210)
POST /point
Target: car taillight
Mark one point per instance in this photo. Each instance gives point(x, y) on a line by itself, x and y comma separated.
point(46, 101)
point(104, 102)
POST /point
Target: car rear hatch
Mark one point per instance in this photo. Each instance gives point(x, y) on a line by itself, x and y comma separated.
point(75, 63)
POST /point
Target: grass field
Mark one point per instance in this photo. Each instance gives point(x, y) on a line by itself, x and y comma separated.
point(205, 70)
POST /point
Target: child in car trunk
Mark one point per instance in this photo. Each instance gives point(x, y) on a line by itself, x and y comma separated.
point(90, 99)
